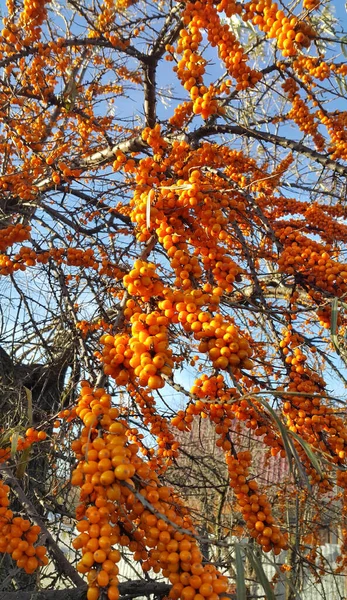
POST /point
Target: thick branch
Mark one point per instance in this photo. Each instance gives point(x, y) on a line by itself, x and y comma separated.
point(150, 101)
point(135, 144)
point(84, 42)
point(128, 589)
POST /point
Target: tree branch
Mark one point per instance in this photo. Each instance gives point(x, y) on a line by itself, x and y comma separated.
point(277, 140)
point(128, 589)
point(63, 564)
point(150, 94)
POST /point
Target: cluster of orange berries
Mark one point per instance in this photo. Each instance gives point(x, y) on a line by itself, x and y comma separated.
point(144, 355)
point(185, 266)
point(254, 418)
point(311, 4)
point(87, 327)
point(154, 139)
point(74, 257)
point(115, 357)
point(230, 410)
point(32, 17)
point(81, 258)
point(173, 550)
point(10, 34)
point(255, 507)
point(18, 536)
point(326, 220)
point(232, 54)
point(306, 413)
point(181, 115)
point(143, 281)
point(214, 259)
point(324, 316)
point(26, 257)
point(31, 436)
point(226, 347)
point(336, 125)
point(291, 345)
point(212, 388)
point(142, 205)
point(122, 162)
point(275, 176)
point(305, 256)
point(205, 101)
point(191, 68)
point(123, 4)
point(111, 505)
point(12, 234)
point(103, 463)
point(306, 122)
point(150, 345)
point(313, 67)
point(291, 32)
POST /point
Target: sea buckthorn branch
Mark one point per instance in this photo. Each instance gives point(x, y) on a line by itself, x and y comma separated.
point(148, 247)
point(167, 35)
point(273, 285)
point(74, 42)
point(253, 203)
point(210, 130)
point(187, 532)
point(95, 201)
point(150, 95)
point(225, 103)
point(69, 220)
point(250, 262)
point(66, 296)
point(101, 157)
point(256, 283)
point(62, 563)
point(300, 81)
point(127, 589)
point(172, 183)
point(255, 507)
point(109, 469)
point(169, 31)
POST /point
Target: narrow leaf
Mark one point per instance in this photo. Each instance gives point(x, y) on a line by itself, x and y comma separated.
point(184, 186)
point(148, 212)
point(288, 444)
point(241, 592)
point(150, 198)
point(333, 327)
point(23, 463)
point(260, 573)
point(283, 431)
point(299, 464)
point(309, 453)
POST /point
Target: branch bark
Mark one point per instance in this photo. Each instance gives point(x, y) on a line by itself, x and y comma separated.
point(128, 589)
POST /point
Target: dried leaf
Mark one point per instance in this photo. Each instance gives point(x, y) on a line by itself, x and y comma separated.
point(30, 404)
point(14, 443)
